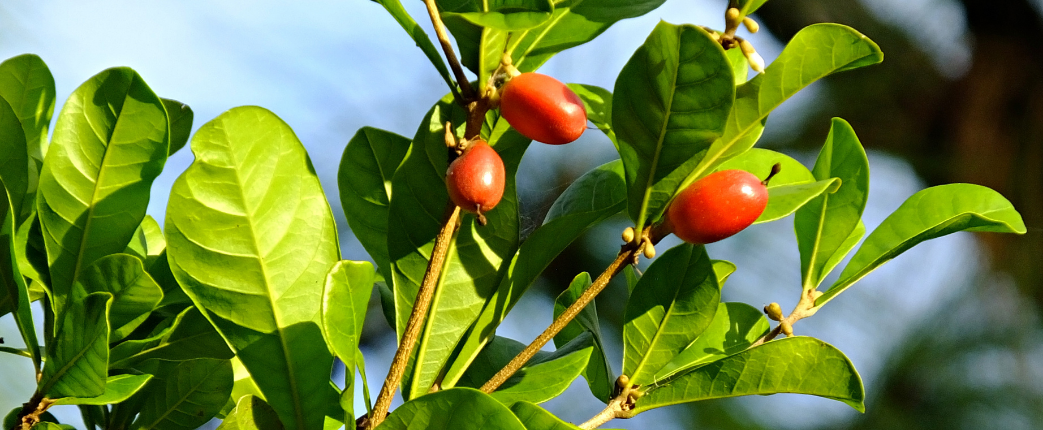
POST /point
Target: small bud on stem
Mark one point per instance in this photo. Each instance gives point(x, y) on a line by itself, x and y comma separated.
point(774, 311)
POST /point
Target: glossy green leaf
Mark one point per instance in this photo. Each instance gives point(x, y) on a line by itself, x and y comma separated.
point(345, 299)
point(845, 248)
point(394, 7)
point(928, 214)
point(814, 53)
point(110, 142)
point(364, 179)
point(472, 269)
point(825, 223)
point(598, 372)
point(673, 303)
point(671, 101)
point(592, 198)
point(252, 253)
point(117, 389)
point(148, 242)
point(510, 15)
point(28, 87)
point(187, 397)
point(722, 269)
point(14, 294)
point(243, 385)
point(747, 7)
point(188, 336)
point(786, 199)
point(180, 117)
point(453, 409)
point(537, 418)
point(32, 253)
point(801, 365)
point(77, 363)
point(598, 103)
point(734, 328)
point(17, 167)
point(740, 65)
point(251, 413)
point(134, 293)
point(543, 377)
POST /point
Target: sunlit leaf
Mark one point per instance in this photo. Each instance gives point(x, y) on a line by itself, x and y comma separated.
point(747, 7)
point(722, 269)
point(453, 409)
point(180, 117)
point(673, 303)
point(253, 252)
point(28, 87)
point(510, 15)
point(598, 103)
point(187, 397)
point(544, 377)
point(117, 389)
point(734, 328)
point(928, 214)
point(345, 298)
point(77, 362)
point(251, 413)
point(134, 293)
point(537, 418)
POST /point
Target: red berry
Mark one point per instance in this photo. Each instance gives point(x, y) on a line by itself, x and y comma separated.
point(717, 206)
point(543, 109)
point(475, 179)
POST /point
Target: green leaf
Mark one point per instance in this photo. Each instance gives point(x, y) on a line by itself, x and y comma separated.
point(598, 372)
point(366, 169)
point(537, 418)
point(117, 389)
point(671, 101)
point(510, 15)
point(747, 7)
point(394, 7)
point(14, 294)
point(32, 253)
point(180, 117)
point(786, 199)
point(349, 286)
point(734, 328)
point(928, 214)
point(814, 53)
point(110, 142)
point(187, 397)
point(188, 336)
point(28, 87)
point(77, 363)
point(251, 413)
point(134, 293)
point(472, 268)
point(825, 223)
point(453, 409)
point(18, 170)
point(592, 198)
point(253, 253)
point(801, 365)
point(544, 378)
point(148, 242)
point(598, 103)
point(673, 303)
point(11, 419)
point(722, 269)
point(740, 65)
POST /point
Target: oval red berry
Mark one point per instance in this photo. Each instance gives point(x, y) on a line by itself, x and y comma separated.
point(475, 180)
point(543, 109)
point(717, 206)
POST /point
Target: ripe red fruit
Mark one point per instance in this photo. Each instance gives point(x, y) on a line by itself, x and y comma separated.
point(543, 109)
point(475, 179)
point(717, 206)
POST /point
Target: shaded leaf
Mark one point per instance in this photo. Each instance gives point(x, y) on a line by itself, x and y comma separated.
point(510, 15)
point(800, 365)
point(28, 87)
point(134, 293)
point(598, 372)
point(928, 214)
point(77, 363)
point(117, 389)
point(18, 169)
point(189, 336)
point(546, 377)
point(253, 252)
point(14, 294)
point(364, 179)
point(251, 413)
point(537, 418)
point(453, 409)
point(673, 303)
point(187, 397)
point(734, 328)
point(670, 102)
point(747, 7)
point(598, 104)
point(180, 117)
point(110, 142)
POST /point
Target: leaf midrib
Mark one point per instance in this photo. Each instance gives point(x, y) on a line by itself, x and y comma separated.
point(659, 142)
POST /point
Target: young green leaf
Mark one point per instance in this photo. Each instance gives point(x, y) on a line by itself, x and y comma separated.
point(349, 286)
point(671, 101)
point(509, 15)
point(187, 397)
point(801, 365)
point(472, 268)
point(117, 389)
point(251, 413)
point(825, 223)
point(928, 214)
point(77, 362)
point(722, 269)
point(673, 303)
point(188, 336)
point(28, 86)
point(253, 253)
point(14, 294)
point(134, 293)
point(814, 53)
point(148, 242)
point(537, 418)
point(394, 7)
point(544, 377)
point(180, 117)
point(364, 179)
point(734, 328)
point(740, 65)
point(110, 142)
point(592, 198)
point(453, 409)
point(598, 372)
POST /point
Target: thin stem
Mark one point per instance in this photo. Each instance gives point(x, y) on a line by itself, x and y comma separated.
point(606, 415)
point(447, 47)
point(626, 256)
point(417, 316)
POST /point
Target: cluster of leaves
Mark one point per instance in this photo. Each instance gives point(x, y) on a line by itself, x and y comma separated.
point(239, 305)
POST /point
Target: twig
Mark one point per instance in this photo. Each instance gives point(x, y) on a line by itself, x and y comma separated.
point(620, 406)
point(447, 47)
point(417, 316)
point(805, 308)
